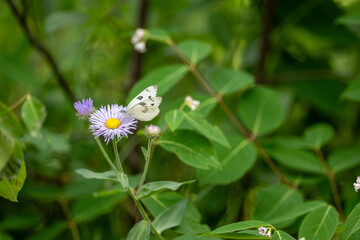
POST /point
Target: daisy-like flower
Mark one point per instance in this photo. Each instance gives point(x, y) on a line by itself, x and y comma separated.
point(262, 230)
point(357, 184)
point(191, 103)
point(85, 107)
point(152, 131)
point(110, 121)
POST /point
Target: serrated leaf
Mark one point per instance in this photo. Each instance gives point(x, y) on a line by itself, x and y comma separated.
point(297, 159)
point(191, 148)
point(33, 114)
point(140, 231)
point(174, 118)
point(344, 159)
point(281, 235)
point(352, 92)
point(352, 224)
point(170, 217)
point(318, 135)
point(319, 224)
point(164, 77)
point(275, 201)
point(225, 81)
point(154, 187)
point(238, 226)
point(109, 175)
point(235, 162)
point(260, 110)
point(211, 132)
point(194, 50)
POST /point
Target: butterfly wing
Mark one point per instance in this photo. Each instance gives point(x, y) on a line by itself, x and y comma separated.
point(148, 93)
point(145, 110)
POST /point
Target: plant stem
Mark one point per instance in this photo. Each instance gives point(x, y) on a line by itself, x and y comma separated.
point(229, 113)
point(116, 152)
point(330, 176)
point(72, 224)
point(146, 167)
point(18, 102)
point(106, 156)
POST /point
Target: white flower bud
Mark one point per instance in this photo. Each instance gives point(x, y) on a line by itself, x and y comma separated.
point(140, 47)
point(357, 184)
point(138, 35)
point(152, 131)
point(191, 103)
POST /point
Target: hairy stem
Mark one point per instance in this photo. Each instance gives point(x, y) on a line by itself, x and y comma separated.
point(106, 156)
point(146, 167)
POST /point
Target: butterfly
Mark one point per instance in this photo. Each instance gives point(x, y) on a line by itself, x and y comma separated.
point(144, 107)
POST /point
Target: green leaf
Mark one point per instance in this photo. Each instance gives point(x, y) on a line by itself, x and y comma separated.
point(19, 221)
point(9, 188)
point(225, 81)
point(170, 217)
point(174, 118)
point(293, 142)
point(275, 201)
point(13, 166)
point(158, 35)
point(211, 132)
point(33, 114)
point(235, 163)
point(319, 224)
point(281, 235)
point(89, 208)
point(8, 122)
point(154, 187)
point(7, 144)
point(238, 226)
point(352, 224)
point(318, 135)
point(344, 159)
point(261, 111)
point(191, 148)
point(297, 159)
point(144, 151)
point(50, 232)
point(140, 231)
point(109, 175)
point(61, 19)
point(298, 211)
point(247, 234)
point(194, 236)
point(352, 92)
point(194, 50)
point(164, 77)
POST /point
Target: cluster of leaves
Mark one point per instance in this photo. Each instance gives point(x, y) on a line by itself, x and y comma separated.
point(304, 128)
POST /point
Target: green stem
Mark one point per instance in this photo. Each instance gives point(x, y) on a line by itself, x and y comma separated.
point(106, 156)
point(116, 152)
point(146, 167)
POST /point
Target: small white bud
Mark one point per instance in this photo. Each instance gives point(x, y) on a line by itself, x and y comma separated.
point(140, 47)
point(152, 131)
point(191, 103)
point(138, 35)
point(262, 230)
point(357, 184)
point(303, 238)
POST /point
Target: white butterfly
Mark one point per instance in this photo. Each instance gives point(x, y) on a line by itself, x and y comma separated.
point(144, 107)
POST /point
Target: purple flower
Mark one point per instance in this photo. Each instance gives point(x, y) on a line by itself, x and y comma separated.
point(85, 107)
point(110, 121)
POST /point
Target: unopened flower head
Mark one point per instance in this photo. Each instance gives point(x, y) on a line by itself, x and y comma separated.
point(262, 230)
point(110, 121)
point(357, 184)
point(138, 40)
point(140, 47)
point(191, 103)
point(84, 107)
point(152, 131)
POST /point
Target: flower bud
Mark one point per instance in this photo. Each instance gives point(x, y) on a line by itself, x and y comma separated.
point(152, 131)
point(84, 107)
point(191, 103)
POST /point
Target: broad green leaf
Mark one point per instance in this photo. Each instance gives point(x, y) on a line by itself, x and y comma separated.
point(238, 226)
point(140, 231)
point(33, 114)
point(154, 187)
point(194, 50)
point(298, 211)
point(61, 19)
point(158, 35)
point(7, 144)
point(352, 92)
point(191, 148)
point(275, 201)
point(170, 217)
point(8, 122)
point(188, 226)
point(174, 118)
point(211, 132)
point(319, 224)
point(281, 235)
point(225, 81)
point(318, 135)
point(109, 175)
point(352, 224)
point(50, 232)
point(235, 162)
point(260, 110)
point(194, 236)
point(164, 77)
point(13, 165)
point(344, 159)
point(89, 208)
point(297, 159)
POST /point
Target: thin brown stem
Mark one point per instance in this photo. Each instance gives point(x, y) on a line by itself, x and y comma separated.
point(72, 224)
point(18, 102)
point(330, 176)
point(21, 18)
point(229, 113)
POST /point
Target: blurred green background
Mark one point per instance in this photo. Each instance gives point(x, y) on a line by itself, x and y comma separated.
point(309, 51)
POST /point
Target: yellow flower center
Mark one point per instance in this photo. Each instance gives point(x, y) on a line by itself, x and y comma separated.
point(112, 123)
